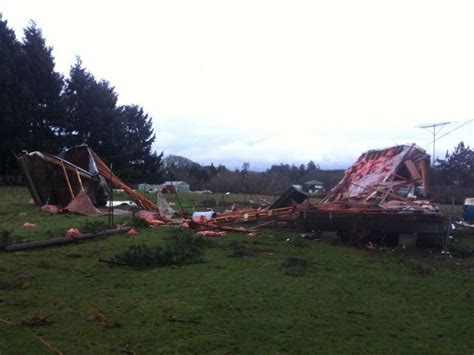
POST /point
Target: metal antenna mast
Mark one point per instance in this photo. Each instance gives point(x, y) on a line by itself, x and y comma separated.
point(432, 128)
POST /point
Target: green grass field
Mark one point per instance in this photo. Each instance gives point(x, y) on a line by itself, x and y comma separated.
point(344, 300)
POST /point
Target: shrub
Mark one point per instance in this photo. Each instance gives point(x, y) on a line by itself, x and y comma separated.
point(181, 250)
point(240, 250)
point(295, 266)
point(5, 238)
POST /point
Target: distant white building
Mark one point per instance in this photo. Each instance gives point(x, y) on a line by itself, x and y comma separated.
point(174, 186)
point(313, 186)
point(166, 187)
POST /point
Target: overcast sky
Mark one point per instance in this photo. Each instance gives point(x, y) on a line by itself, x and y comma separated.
point(274, 81)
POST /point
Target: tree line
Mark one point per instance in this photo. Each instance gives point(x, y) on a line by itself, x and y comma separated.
point(453, 176)
point(273, 180)
point(40, 109)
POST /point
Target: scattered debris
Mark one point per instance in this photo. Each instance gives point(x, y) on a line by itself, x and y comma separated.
point(120, 203)
point(30, 225)
point(20, 253)
point(132, 232)
point(24, 275)
point(96, 318)
point(72, 233)
point(292, 197)
point(82, 204)
point(151, 217)
point(36, 321)
point(208, 233)
point(53, 209)
point(74, 254)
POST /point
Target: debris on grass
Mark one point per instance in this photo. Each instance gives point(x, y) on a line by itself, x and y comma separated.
point(132, 232)
point(152, 218)
point(36, 321)
point(53, 209)
point(30, 225)
point(74, 254)
point(20, 253)
point(208, 233)
point(96, 318)
point(24, 275)
point(72, 233)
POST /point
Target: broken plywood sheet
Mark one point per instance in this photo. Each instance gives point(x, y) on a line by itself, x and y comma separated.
point(82, 204)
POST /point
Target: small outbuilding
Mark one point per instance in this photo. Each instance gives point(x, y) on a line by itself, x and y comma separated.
point(174, 186)
point(313, 186)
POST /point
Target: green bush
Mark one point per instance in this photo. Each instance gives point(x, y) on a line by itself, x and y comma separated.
point(5, 238)
point(240, 250)
point(295, 266)
point(181, 250)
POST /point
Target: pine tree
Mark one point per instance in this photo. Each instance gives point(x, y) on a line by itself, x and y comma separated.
point(13, 99)
point(45, 112)
point(138, 139)
point(458, 167)
point(91, 114)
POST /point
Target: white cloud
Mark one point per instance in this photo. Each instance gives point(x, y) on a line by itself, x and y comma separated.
point(274, 81)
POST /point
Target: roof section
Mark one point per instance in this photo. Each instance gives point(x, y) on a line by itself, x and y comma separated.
point(399, 172)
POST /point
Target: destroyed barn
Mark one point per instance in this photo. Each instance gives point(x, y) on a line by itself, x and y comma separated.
point(383, 195)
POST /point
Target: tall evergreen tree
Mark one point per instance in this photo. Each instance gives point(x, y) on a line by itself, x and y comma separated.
point(458, 167)
point(138, 139)
point(45, 112)
point(13, 99)
point(91, 114)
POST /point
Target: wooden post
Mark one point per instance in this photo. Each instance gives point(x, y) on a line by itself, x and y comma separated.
point(67, 180)
point(80, 181)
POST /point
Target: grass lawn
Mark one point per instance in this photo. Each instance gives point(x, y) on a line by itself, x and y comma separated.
point(339, 299)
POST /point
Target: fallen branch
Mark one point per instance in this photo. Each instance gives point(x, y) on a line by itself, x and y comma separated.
point(44, 342)
point(63, 240)
point(49, 346)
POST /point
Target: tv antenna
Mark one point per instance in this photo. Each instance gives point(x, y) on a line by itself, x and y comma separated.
point(432, 128)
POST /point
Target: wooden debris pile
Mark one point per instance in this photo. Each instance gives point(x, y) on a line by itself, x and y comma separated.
point(395, 178)
point(248, 220)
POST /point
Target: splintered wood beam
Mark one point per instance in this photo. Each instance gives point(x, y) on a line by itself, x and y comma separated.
point(80, 180)
point(67, 180)
point(413, 170)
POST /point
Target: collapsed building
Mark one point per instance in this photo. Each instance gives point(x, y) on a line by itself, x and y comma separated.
point(383, 195)
point(76, 180)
